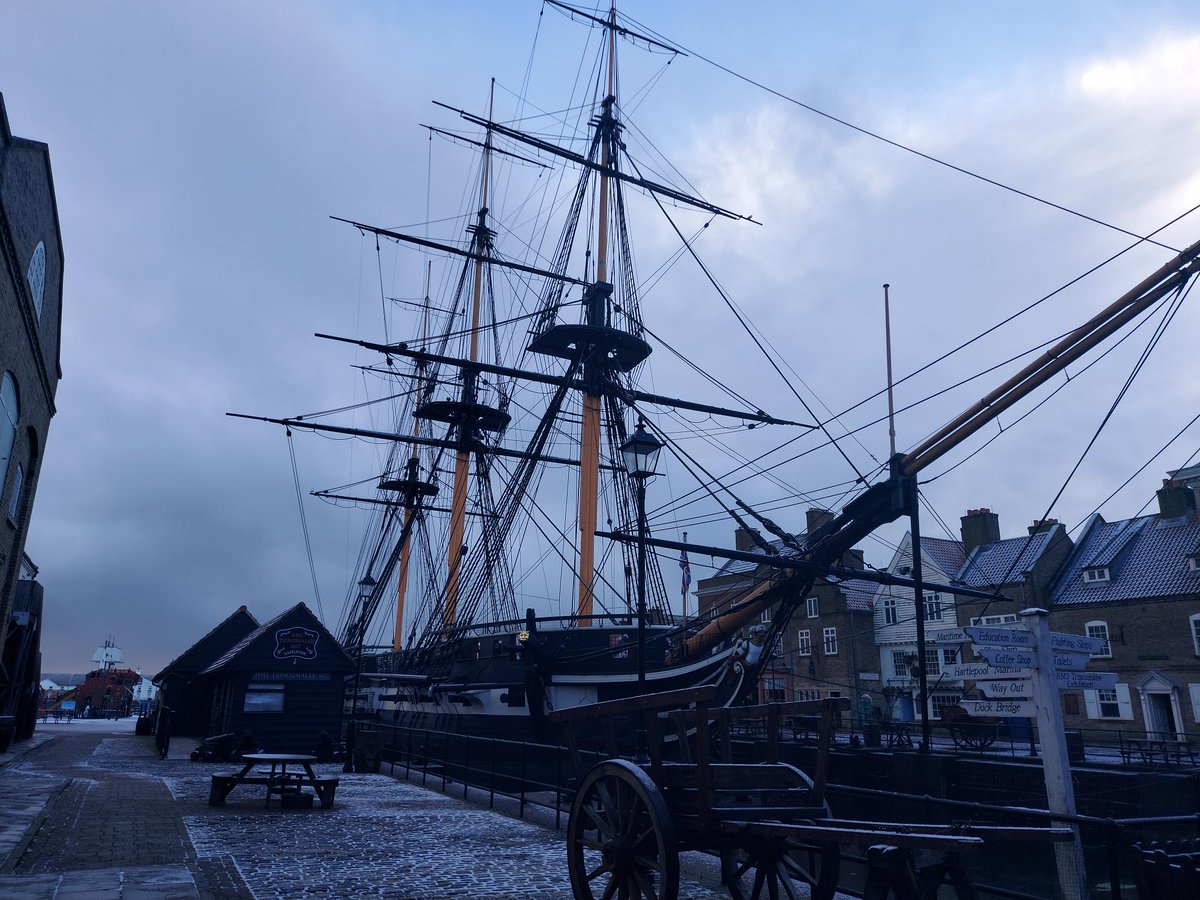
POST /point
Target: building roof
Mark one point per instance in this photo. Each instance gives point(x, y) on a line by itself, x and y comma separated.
point(860, 595)
point(298, 613)
point(201, 654)
point(1006, 561)
point(946, 554)
point(743, 566)
point(1145, 557)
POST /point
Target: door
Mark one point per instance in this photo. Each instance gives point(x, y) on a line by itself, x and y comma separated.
point(1161, 723)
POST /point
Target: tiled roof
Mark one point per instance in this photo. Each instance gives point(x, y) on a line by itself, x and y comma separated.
point(1003, 562)
point(1151, 561)
point(742, 566)
point(860, 595)
point(947, 555)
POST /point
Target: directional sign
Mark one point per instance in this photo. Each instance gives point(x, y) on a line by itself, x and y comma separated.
point(1006, 656)
point(999, 637)
point(1005, 690)
point(947, 636)
point(1005, 709)
point(981, 671)
point(1070, 662)
point(1085, 681)
point(1076, 642)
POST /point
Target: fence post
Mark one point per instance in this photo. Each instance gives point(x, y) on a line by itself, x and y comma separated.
point(1112, 836)
point(466, 763)
point(524, 769)
point(492, 778)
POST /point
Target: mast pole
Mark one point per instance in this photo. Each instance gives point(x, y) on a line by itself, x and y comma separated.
point(410, 510)
point(589, 469)
point(887, 336)
point(462, 459)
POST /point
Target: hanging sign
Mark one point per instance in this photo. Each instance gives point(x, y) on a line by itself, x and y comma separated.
point(978, 671)
point(1002, 690)
point(296, 643)
point(1004, 709)
point(1076, 642)
point(1007, 656)
point(1085, 681)
point(999, 637)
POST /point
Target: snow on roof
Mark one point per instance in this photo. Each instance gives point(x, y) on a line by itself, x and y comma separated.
point(1006, 561)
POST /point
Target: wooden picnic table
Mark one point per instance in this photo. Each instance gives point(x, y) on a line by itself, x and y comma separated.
point(278, 780)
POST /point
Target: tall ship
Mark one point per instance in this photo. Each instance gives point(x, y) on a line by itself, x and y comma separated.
point(511, 565)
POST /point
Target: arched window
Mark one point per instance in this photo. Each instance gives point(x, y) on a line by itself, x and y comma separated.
point(10, 414)
point(35, 275)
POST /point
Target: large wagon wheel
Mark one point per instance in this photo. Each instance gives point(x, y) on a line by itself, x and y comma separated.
point(973, 735)
point(770, 867)
point(620, 838)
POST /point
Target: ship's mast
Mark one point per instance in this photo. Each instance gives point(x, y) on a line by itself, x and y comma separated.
point(410, 508)
point(589, 470)
point(462, 460)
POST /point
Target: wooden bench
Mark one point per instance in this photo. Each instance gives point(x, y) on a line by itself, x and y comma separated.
point(1149, 749)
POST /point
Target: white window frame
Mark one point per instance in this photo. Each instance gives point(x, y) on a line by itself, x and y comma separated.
point(765, 617)
point(947, 699)
point(891, 615)
point(1005, 619)
point(813, 607)
point(829, 641)
point(1194, 695)
point(1194, 624)
point(1120, 696)
point(932, 608)
point(804, 642)
point(1098, 628)
point(901, 663)
point(14, 500)
point(1096, 574)
point(933, 662)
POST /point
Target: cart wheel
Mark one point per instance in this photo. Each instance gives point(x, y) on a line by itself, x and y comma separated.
point(620, 838)
point(973, 737)
point(772, 867)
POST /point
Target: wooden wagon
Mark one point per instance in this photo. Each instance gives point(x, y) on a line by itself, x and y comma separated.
point(967, 731)
point(769, 822)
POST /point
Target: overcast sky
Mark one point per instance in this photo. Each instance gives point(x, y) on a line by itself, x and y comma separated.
point(198, 150)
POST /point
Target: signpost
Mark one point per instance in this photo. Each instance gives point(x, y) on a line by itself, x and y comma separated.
point(1004, 690)
point(984, 672)
point(947, 636)
point(1085, 681)
point(1076, 642)
point(999, 637)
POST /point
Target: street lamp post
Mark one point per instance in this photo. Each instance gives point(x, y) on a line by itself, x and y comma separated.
point(640, 455)
point(366, 587)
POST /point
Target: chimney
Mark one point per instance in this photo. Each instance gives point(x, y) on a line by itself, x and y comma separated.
point(1040, 525)
point(979, 527)
point(1175, 500)
point(742, 540)
point(817, 518)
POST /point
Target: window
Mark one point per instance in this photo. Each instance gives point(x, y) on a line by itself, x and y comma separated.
point(1095, 573)
point(1006, 619)
point(35, 276)
point(831, 642)
point(1099, 630)
point(812, 607)
point(1071, 704)
point(14, 499)
point(1113, 704)
point(941, 701)
point(765, 618)
point(804, 642)
point(10, 414)
point(933, 662)
point(901, 662)
point(774, 690)
point(1195, 623)
point(1194, 562)
point(890, 617)
point(933, 608)
point(949, 656)
point(262, 698)
point(808, 695)
point(1194, 693)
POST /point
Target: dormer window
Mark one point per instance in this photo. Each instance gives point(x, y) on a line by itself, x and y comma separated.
point(1194, 562)
point(1095, 573)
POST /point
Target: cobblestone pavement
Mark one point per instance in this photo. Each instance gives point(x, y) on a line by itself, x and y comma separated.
point(129, 825)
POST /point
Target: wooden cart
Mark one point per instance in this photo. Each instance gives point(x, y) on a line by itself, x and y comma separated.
point(769, 822)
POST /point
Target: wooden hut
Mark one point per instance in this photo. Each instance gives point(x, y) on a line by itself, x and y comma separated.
point(183, 691)
point(284, 683)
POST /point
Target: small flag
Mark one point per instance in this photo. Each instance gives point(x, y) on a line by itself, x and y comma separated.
point(685, 572)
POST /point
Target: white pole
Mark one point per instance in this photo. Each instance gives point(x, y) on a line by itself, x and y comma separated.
point(1056, 766)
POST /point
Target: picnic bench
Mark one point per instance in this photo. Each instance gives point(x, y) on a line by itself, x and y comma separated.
point(287, 785)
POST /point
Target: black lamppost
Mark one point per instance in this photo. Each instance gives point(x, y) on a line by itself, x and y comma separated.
point(366, 588)
point(640, 455)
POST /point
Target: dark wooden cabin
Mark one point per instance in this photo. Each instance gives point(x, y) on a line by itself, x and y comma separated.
point(183, 691)
point(284, 684)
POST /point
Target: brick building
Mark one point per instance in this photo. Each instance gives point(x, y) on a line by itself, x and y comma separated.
point(31, 287)
point(1022, 569)
point(827, 650)
point(1135, 584)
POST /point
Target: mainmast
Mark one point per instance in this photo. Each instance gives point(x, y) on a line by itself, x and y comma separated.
point(481, 244)
point(589, 470)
